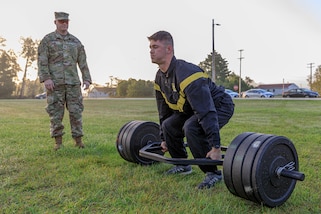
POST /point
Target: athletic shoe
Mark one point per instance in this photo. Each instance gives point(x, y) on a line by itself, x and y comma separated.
point(210, 180)
point(180, 169)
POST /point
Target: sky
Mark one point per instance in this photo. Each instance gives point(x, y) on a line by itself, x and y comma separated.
point(279, 38)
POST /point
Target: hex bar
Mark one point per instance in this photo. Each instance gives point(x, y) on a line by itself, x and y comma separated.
point(146, 152)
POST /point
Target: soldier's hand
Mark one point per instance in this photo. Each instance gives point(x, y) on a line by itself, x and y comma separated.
point(86, 85)
point(164, 147)
point(49, 84)
point(214, 154)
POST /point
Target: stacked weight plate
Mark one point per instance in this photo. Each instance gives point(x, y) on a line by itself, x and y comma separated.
point(133, 136)
point(250, 166)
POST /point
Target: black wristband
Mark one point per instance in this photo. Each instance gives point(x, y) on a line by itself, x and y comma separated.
point(217, 146)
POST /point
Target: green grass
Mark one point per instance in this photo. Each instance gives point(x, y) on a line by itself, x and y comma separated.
point(35, 179)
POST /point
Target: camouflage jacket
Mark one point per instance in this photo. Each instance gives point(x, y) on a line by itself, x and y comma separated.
point(58, 57)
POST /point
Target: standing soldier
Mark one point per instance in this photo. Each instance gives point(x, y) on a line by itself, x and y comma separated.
point(59, 53)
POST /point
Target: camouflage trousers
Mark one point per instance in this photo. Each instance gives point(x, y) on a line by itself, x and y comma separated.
point(69, 97)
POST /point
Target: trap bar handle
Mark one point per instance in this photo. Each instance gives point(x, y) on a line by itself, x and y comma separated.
point(147, 152)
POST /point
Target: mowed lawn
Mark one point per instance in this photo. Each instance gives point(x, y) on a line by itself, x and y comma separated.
point(36, 179)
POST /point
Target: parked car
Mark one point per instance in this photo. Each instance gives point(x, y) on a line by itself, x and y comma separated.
point(257, 92)
point(300, 92)
point(233, 94)
point(41, 96)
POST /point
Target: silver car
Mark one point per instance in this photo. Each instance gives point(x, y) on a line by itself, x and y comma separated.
point(231, 93)
point(258, 93)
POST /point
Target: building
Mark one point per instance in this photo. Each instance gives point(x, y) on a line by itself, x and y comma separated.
point(99, 92)
point(278, 89)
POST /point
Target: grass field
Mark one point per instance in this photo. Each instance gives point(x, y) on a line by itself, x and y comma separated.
point(35, 179)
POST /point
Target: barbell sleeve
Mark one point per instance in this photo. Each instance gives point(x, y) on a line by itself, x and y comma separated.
point(290, 174)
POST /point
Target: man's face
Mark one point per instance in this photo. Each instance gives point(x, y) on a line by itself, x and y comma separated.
point(62, 25)
point(158, 51)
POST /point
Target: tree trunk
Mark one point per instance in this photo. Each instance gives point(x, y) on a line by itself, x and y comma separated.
point(23, 85)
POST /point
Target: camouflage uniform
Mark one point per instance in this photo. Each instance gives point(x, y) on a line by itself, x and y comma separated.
point(58, 57)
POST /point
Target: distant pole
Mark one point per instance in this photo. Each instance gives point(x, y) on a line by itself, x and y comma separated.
point(310, 81)
point(213, 51)
point(240, 78)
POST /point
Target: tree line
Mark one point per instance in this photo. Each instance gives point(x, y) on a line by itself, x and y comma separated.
point(10, 85)
point(13, 87)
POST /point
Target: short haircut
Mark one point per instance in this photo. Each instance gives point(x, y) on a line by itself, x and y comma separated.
point(163, 36)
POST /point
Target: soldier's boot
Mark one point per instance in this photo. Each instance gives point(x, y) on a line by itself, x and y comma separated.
point(79, 143)
point(58, 144)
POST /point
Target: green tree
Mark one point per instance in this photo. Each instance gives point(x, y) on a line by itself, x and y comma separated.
point(32, 88)
point(221, 68)
point(223, 76)
point(233, 80)
point(316, 83)
point(8, 71)
point(140, 88)
point(29, 52)
point(122, 88)
point(2, 42)
point(135, 88)
point(131, 82)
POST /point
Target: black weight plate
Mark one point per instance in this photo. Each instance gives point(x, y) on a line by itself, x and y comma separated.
point(238, 164)
point(133, 136)
point(145, 132)
point(270, 190)
point(248, 164)
point(134, 125)
point(228, 160)
point(121, 144)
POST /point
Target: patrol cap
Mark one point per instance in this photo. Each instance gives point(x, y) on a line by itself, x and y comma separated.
point(61, 16)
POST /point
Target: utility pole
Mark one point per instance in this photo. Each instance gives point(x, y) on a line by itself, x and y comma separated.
point(310, 81)
point(240, 78)
point(213, 51)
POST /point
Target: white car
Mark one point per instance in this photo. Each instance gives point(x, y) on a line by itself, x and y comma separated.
point(257, 92)
point(41, 96)
point(231, 93)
